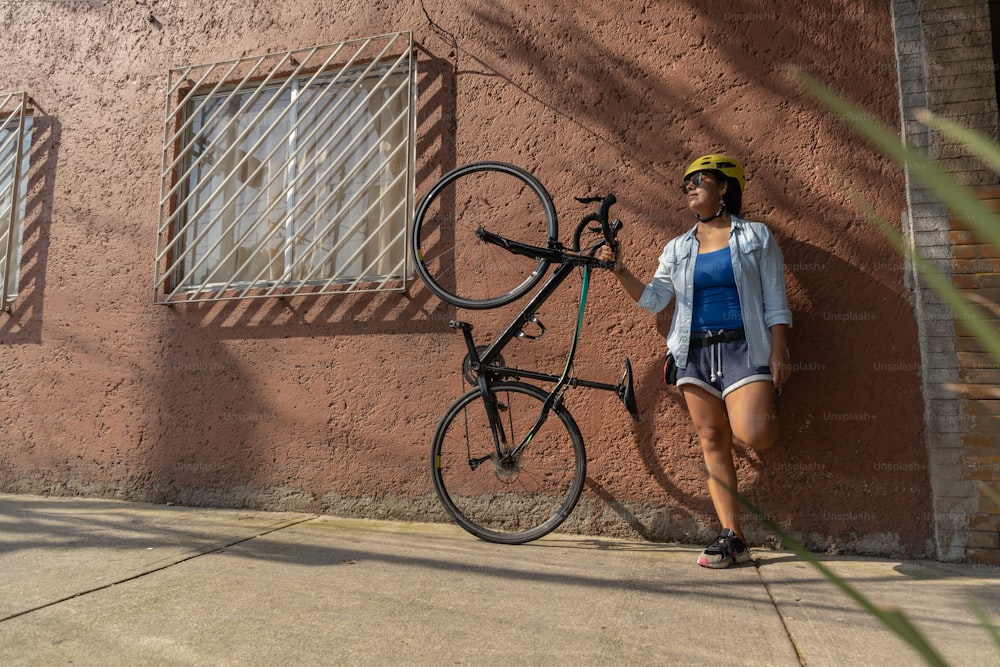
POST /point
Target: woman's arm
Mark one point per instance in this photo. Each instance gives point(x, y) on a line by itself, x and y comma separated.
point(780, 360)
point(657, 294)
point(633, 286)
point(772, 278)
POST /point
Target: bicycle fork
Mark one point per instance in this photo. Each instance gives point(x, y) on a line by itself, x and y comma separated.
point(504, 454)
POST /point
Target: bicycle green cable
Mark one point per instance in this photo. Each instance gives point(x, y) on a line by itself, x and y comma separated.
point(561, 382)
point(584, 288)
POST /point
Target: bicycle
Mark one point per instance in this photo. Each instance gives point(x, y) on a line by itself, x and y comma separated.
point(507, 460)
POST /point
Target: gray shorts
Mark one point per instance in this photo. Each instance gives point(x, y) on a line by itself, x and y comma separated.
point(721, 368)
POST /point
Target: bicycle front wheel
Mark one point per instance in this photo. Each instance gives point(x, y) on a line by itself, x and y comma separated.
point(452, 260)
point(509, 501)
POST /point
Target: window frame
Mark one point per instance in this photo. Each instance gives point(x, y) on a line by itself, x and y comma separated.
point(323, 76)
point(13, 196)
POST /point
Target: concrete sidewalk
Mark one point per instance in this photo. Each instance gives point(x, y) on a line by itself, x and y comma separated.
point(96, 582)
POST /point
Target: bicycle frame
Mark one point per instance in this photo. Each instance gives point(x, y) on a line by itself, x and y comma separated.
point(484, 364)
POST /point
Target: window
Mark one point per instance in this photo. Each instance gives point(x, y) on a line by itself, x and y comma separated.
point(15, 146)
point(291, 174)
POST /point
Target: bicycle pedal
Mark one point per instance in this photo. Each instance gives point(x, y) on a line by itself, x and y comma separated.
point(455, 324)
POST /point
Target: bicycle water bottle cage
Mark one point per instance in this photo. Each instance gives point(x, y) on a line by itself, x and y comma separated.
point(541, 329)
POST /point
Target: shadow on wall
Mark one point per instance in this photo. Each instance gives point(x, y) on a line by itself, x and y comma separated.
point(643, 125)
point(251, 410)
point(853, 411)
point(23, 324)
point(213, 432)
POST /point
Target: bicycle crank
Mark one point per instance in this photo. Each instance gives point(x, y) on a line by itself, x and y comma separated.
point(470, 373)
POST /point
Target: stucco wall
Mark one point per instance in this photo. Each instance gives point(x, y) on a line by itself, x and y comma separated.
point(329, 404)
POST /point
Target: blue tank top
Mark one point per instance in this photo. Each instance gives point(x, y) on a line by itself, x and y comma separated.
point(716, 300)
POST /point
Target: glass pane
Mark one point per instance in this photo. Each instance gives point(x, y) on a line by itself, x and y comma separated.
point(11, 199)
point(349, 159)
point(236, 202)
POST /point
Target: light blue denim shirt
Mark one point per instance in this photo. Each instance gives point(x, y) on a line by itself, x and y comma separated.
point(760, 281)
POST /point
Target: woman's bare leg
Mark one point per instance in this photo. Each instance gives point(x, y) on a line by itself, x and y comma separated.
point(709, 416)
point(752, 415)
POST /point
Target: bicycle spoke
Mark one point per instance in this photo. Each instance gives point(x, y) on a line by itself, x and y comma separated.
point(454, 262)
point(508, 499)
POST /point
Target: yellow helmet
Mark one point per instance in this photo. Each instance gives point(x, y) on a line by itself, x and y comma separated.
point(718, 162)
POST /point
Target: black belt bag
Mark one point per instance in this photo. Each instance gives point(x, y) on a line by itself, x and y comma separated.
point(721, 337)
point(669, 370)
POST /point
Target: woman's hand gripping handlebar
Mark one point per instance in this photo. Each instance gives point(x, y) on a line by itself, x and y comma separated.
point(608, 229)
point(610, 256)
point(606, 252)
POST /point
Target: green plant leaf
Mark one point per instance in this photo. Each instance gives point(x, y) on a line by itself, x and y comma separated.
point(982, 220)
point(980, 144)
point(965, 311)
point(894, 619)
point(969, 208)
point(984, 620)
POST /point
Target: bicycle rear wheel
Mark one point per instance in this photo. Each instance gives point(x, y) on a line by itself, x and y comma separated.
point(508, 502)
point(454, 263)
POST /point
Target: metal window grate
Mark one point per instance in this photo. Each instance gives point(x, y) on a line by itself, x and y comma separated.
point(14, 148)
point(288, 173)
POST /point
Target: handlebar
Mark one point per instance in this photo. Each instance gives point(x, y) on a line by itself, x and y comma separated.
point(555, 251)
point(608, 229)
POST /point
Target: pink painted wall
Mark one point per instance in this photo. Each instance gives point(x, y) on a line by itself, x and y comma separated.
point(328, 404)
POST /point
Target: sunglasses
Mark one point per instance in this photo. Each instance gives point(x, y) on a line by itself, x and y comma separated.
point(695, 179)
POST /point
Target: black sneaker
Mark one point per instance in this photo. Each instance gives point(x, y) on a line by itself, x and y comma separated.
point(728, 548)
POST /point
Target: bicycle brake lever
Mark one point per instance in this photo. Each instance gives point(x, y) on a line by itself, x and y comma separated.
point(613, 228)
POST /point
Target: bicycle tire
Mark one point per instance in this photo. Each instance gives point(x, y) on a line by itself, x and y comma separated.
point(453, 262)
point(508, 503)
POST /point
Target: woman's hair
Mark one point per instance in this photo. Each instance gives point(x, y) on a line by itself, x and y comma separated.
point(733, 198)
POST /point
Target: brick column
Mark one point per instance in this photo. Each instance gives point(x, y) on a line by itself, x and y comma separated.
point(945, 63)
point(976, 267)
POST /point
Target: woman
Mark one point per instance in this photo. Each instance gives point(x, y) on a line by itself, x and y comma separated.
point(727, 337)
